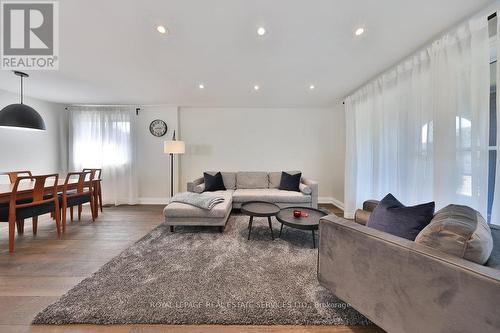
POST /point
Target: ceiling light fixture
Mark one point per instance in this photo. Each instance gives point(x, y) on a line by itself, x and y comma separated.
point(201, 86)
point(359, 31)
point(161, 29)
point(261, 31)
point(256, 87)
point(21, 115)
point(312, 87)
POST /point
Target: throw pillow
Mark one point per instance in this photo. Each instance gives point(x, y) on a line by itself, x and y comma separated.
point(305, 189)
point(290, 182)
point(200, 188)
point(393, 217)
point(213, 182)
point(460, 231)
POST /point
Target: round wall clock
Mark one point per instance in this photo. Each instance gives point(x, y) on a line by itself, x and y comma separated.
point(158, 127)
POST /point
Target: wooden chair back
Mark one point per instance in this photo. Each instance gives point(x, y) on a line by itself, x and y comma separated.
point(40, 189)
point(83, 186)
point(95, 173)
point(13, 175)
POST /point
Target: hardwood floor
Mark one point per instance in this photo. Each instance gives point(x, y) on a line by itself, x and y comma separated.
point(43, 268)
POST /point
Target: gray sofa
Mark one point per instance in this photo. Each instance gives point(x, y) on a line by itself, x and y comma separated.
point(240, 187)
point(406, 287)
point(249, 186)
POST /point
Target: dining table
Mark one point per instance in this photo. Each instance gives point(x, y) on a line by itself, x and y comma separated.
point(25, 190)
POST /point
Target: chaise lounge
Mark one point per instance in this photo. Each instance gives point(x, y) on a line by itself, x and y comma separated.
point(240, 187)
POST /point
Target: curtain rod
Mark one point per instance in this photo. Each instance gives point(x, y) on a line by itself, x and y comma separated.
point(101, 105)
point(137, 109)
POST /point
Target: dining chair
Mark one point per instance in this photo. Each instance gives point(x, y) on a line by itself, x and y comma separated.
point(13, 175)
point(96, 175)
point(43, 200)
point(77, 197)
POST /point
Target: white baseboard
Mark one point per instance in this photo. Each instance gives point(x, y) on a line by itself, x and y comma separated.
point(331, 200)
point(153, 201)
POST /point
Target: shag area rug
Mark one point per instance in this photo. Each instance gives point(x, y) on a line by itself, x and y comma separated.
point(200, 276)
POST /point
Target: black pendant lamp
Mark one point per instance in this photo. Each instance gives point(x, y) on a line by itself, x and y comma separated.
point(21, 115)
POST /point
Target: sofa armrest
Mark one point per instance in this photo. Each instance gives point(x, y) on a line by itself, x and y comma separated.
point(361, 216)
point(315, 190)
point(369, 205)
point(192, 184)
point(396, 282)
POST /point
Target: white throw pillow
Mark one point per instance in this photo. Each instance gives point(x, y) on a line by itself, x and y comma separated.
point(200, 188)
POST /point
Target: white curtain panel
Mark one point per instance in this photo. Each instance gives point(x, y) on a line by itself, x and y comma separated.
point(419, 131)
point(104, 137)
point(495, 211)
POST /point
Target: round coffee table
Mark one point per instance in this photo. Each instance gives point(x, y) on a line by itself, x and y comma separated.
point(260, 209)
point(311, 222)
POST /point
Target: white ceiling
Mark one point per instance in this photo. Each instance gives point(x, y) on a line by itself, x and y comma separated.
point(111, 53)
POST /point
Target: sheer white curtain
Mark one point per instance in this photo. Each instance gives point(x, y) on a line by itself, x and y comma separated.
point(495, 210)
point(104, 137)
point(420, 130)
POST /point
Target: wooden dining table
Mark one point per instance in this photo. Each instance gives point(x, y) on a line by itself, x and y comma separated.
point(25, 190)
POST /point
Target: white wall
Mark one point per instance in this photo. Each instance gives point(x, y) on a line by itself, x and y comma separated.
point(39, 151)
point(232, 139)
point(153, 164)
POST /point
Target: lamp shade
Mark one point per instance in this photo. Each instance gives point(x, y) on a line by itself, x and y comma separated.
point(21, 115)
point(174, 147)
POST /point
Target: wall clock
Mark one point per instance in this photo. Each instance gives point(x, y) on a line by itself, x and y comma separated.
point(158, 127)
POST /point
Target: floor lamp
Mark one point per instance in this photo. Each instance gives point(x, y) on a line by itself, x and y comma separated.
point(173, 147)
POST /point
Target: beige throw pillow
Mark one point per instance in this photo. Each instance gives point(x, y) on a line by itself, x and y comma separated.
point(460, 231)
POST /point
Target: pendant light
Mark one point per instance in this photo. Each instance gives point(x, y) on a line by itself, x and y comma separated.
point(21, 115)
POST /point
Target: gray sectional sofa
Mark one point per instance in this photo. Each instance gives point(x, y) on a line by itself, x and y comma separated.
point(407, 287)
point(241, 186)
point(249, 186)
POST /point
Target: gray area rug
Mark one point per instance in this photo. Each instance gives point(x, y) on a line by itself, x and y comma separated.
point(200, 276)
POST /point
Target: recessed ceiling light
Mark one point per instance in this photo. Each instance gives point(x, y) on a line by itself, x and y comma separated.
point(359, 31)
point(256, 87)
point(312, 87)
point(161, 29)
point(201, 86)
point(261, 31)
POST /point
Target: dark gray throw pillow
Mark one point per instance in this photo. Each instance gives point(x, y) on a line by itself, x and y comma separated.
point(290, 182)
point(393, 217)
point(213, 182)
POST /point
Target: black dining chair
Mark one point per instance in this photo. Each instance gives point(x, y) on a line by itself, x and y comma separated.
point(96, 176)
point(13, 175)
point(83, 193)
point(43, 200)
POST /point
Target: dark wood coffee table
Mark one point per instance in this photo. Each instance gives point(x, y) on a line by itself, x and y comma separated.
point(285, 216)
point(260, 209)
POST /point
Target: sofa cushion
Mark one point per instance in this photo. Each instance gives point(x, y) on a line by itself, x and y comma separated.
point(213, 182)
point(275, 178)
point(460, 231)
point(271, 195)
point(290, 182)
point(393, 217)
point(305, 189)
point(229, 179)
point(177, 209)
point(252, 180)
